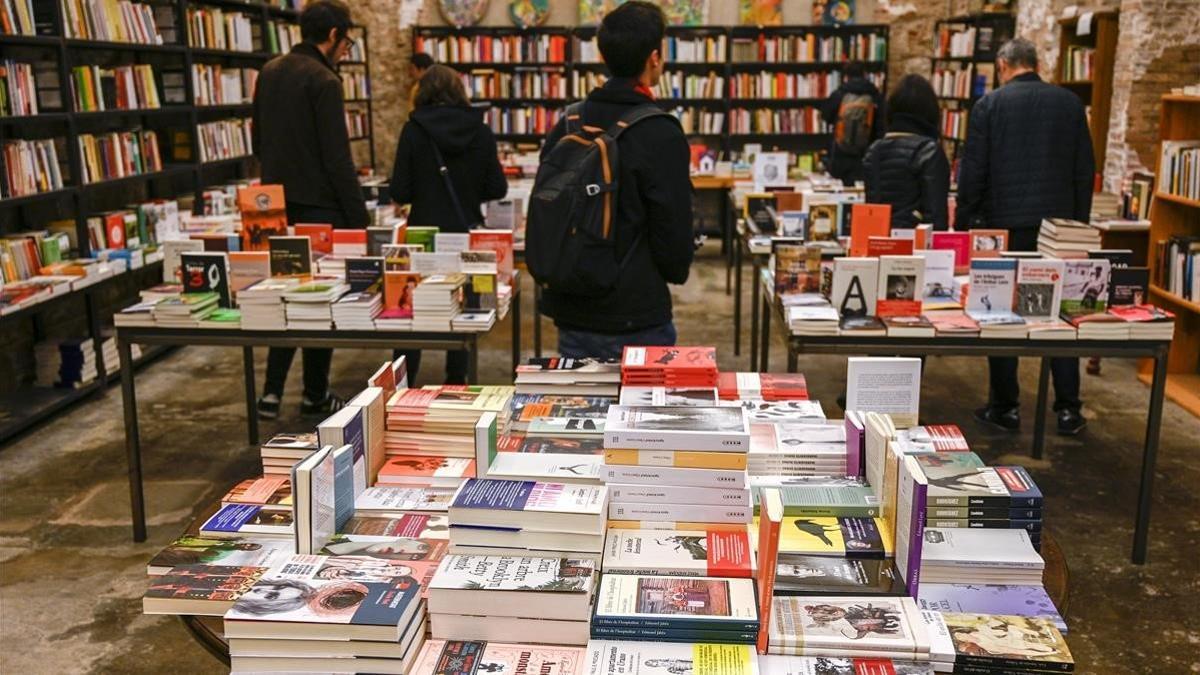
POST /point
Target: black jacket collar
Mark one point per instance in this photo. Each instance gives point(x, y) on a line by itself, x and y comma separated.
point(1030, 76)
point(904, 122)
point(311, 51)
point(618, 90)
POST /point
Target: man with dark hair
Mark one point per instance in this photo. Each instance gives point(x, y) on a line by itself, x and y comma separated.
point(1028, 157)
point(653, 218)
point(300, 138)
point(418, 63)
point(855, 109)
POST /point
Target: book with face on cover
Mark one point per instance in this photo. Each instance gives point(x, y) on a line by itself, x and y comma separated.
point(866, 626)
point(988, 243)
point(676, 603)
point(619, 657)
point(499, 586)
point(443, 657)
point(718, 428)
point(900, 286)
point(717, 553)
point(1008, 642)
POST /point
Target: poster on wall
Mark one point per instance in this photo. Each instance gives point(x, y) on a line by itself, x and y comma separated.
point(837, 12)
point(592, 11)
point(528, 13)
point(678, 12)
point(762, 12)
point(462, 13)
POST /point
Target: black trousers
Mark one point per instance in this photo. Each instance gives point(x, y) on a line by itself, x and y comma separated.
point(1004, 388)
point(316, 361)
point(456, 365)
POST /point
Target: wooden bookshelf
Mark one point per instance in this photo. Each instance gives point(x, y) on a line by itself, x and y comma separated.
point(1095, 91)
point(1171, 216)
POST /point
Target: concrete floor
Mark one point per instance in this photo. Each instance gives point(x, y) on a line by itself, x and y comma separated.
point(71, 580)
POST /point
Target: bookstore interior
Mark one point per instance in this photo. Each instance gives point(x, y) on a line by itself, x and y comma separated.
point(739, 424)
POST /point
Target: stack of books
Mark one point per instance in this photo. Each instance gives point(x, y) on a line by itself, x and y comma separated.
point(436, 301)
point(1146, 322)
point(1065, 238)
point(569, 377)
point(443, 421)
point(309, 306)
point(963, 493)
point(677, 464)
point(141, 314)
point(262, 304)
point(473, 322)
point(423, 471)
point(1028, 644)
point(402, 504)
point(186, 310)
point(815, 320)
point(528, 518)
point(795, 449)
point(762, 386)
point(675, 609)
point(836, 626)
point(283, 451)
point(581, 416)
point(357, 311)
point(510, 599)
point(967, 556)
point(319, 613)
point(502, 657)
point(669, 366)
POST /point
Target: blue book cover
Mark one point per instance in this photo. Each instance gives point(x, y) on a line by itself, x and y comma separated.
point(343, 486)
point(671, 635)
point(1020, 486)
point(490, 493)
point(231, 518)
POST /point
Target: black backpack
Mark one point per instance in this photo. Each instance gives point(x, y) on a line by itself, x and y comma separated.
point(569, 237)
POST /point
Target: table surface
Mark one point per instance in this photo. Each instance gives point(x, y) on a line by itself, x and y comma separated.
point(209, 630)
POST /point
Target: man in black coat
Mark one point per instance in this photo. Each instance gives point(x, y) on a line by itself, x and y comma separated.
point(654, 201)
point(1028, 156)
point(300, 139)
point(846, 164)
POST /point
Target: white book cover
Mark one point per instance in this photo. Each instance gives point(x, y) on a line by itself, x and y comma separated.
point(510, 573)
point(778, 664)
point(939, 276)
point(669, 475)
point(941, 645)
point(993, 285)
point(551, 468)
point(403, 499)
point(670, 396)
point(866, 625)
point(619, 657)
point(317, 520)
point(429, 264)
point(675, 601)
point(687, 513)
point(451, 242)
point(677, 494)
point(718, 553)
point(888, 385)
point(770, 169)
point(900, 286)
point(1002, 548)
point(717, 428)
point(1039, 288)
point(783, 412)
point(845, 270)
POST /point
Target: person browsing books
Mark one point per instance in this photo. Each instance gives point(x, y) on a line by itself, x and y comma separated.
point(300, 139)
point(854, 110)
point(444, 127)
point(1028, 157)
point(651, 224)
point(418, 63)
point(907, 168)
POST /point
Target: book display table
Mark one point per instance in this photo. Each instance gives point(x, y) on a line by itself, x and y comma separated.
point(127, 336)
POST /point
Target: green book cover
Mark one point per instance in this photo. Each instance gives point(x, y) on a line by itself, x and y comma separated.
point(423, 236)
point(50, 251)
point(827, 501)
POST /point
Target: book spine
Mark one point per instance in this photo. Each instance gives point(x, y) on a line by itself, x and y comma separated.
point(669, 635)
point(968, 669)
point(715, 478)
point(677, 623)
point(677, 440)
point(692, 512)
point(845, 511)
point(990, 663)
point(677, 495)
point(990, 502)
point(679, 459)
point(979, 524)
point(984, 512)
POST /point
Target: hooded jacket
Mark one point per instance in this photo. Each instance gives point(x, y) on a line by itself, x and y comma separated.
point(300, 137)
point(653, 218)
point(468, 147)
point(843, 166)
point(1028, 156)
point(907, 169)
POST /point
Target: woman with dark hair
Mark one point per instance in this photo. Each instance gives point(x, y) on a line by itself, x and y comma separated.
point(443, 124)
point(907, 168)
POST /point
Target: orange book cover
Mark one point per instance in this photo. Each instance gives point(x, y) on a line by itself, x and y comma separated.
point(261, 199)
point(866, 221)
point(770, 520)
point(398, 294)
point(321, 235)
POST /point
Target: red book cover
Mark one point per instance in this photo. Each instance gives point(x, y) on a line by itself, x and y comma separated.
point(877, 246)
point(960, 243)
point(114, 230)
point(349, 237)
point(500, 241)
point(729, 554)
point(866, 221)
point(321, 235)
point(783, 386)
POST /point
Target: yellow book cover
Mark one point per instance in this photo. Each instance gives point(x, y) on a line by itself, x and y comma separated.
point(687, 459)
point(833, 537)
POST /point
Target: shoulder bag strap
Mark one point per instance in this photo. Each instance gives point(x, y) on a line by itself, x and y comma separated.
point(445, 172)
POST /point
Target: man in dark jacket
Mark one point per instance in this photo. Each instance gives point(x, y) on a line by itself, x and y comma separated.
point(1028, 156)
point(846, 163)
point(301, 141)
point(654, 202)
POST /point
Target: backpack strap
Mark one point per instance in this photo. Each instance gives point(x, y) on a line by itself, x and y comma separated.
point(573, 117)
point(639, 113)
point(445, 172)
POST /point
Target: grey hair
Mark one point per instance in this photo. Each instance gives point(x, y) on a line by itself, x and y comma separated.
point(1019, 52)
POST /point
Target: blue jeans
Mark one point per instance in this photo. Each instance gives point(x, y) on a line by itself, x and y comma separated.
point(578, 344)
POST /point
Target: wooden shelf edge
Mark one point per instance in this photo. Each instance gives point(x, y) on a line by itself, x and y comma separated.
point(1181, 98)
point(1160, 292)
point(1168, 197)
point(1182, 388)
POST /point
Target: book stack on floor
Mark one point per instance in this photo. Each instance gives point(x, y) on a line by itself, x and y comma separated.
point(283, 451)
point(1065, 238)
point(262, 304)
point(186, 310)
point(964, 493)
point(569, 377)
point(512, 599)
point(73, 363)
point(309, 306)
point(436, 301)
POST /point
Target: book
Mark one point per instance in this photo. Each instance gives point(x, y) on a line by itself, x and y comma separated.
point(462, 656)
point(959, 242)
point(1085, 287)
point(976, 550)
point(1008, 642)
point(900, 286)
point(1011, 600)
point(717, 553)
point(862, 326)
point(804, 575)
point(290, 256)
point(206, 272)
point(993, 287)
point(529, 504)
point(988, 243)
point(683, 459)
point(204, 590)
point(548, 468)
point(881, 246)
point(940, 287)
point(869, 626)
point(510, 630)
point(504, 586)
point(269, 492)
point(835, 537)
point(855, 282)
point(720, 429)
point(236, 551)
point(661, 475)
point(619, 657)
point(866, 221)
point(425, 471)
point(364, 274)
point(676, 603)
point(912, 493)
point(1039, 288)
point(705, 513)
point(780, 664)
point(238, 520)
point(770, 522)
point(397, 499)
point(347, 427)
point(314, 478)
point(889, 385)
point(909, 326)
point(829, 501)
point(762, 386)
point(668, 396)
point(321, 235)
point(655, 491)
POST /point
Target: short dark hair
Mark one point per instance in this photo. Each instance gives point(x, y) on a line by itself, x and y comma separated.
point(321, 16)
point(1018, 52)
point(440, 85)
point(628, 35)
point(914, 96)
point(852, 70)
point(421, 60)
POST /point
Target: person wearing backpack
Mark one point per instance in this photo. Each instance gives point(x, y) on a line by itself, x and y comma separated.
point(907, 168)
point(445, 131)
point(610, 214)
point(855, 109)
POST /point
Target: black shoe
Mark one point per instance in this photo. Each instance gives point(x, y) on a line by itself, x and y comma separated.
point(268, 407)
point(327, 406)
point(1070, 422)
point(1008, 420)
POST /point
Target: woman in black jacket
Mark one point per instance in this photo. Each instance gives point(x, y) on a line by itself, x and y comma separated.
point(443, 118)
point(907, 168)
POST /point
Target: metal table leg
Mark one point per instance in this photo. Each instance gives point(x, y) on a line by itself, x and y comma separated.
point(793, 358)
point(472, 345)
point(515, 315)
point(755, 300)
point(251, 397)
point(1141, 529)
point(737, 297)
point(133, 445)
point(727, 237)
point(537, 320)
point(1039, 411)
point(765, 345)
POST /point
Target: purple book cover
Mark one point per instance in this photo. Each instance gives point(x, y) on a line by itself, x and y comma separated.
point(1030, 601)
point(854, 447)
point(491, 493)
point(916, 537)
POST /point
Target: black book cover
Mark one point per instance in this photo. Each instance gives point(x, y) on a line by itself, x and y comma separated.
point(205, 272)
point(290, 256)
point(479, 293)
point(818, 575)
point(1128, 285)
point(363, 273)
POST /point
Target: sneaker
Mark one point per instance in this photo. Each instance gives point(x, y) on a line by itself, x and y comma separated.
point(329, 405)
point(1070, 422)
point(1008, 420)
point(268, 407)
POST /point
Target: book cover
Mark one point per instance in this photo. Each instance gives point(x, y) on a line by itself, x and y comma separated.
point(855, 281)
point(248, 519)
point(677, 494)
point(759, 210)
point(886, 385)
point(267, 491)
point(206, 272)
point(971, 549)
point(881, 246)
point(911, 500)
point(683, 459)
point(940, 287)
point(398, 289)
point(500, 242)
point(577, 445)
point(693, 428)
point(959, 242)
point(213, 583)
point(901, 283)
point(390, 532)
point(398, 257)
point(364, 274)
point(347, 427)
point(403, 499)
point(316, 512)
point(1085, 287)
point(668, 396)
point(460, 657)
point(1009, 600)
point(321, 235)
point(451, 242)
point(993, 286)
point(866, 221)
point(1039, 288)
point(770, 522)
point(836, 537)
point(618, 657)
point(1012, 642)
point(821, 575)
point(716, 553)
point(425, 471)
point(546, 467)
point(797, 268)
point(829, 501)
point(290, 256)
point(240, 551)
point(558, 576)
point(707, 513)
point(650, 475)
point(988, 243)
point(870, 625)
point(529, 496)
point(957, 483)
point(676, 602)
point(1127, 286)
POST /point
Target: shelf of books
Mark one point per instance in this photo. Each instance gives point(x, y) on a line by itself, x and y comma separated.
point(1087, 50)
point(964, 55)
point(1175, 242)
point(355, 71)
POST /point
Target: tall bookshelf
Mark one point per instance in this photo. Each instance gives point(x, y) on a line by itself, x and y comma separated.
point(699, 81)
point(357, 68)
point(1174, 215)
point(964, 56)
point(1085, 66)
